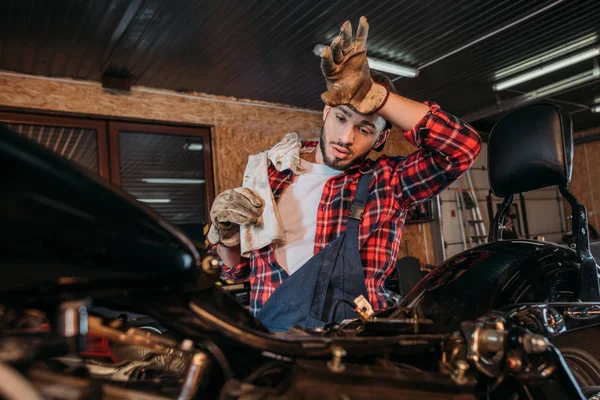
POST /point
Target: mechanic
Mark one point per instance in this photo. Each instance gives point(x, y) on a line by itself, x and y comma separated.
point(341, 214)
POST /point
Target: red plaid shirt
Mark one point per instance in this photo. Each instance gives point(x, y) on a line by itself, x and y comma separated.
point(447, 147)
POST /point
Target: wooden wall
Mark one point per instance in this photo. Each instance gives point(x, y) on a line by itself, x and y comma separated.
point(585, 183)
point(240, 127)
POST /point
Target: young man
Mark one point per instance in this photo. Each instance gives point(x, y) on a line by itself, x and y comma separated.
point(342, 214)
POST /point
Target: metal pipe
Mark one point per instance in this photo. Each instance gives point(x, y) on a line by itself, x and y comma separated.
point(133, 336)
point(192, 380)
point(524, 214)
point(561, 211)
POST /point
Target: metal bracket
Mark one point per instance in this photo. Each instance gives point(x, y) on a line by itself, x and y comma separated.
point(589, 289)
point(357, 210)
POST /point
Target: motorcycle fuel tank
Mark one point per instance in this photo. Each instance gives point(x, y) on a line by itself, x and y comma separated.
point(62, 227)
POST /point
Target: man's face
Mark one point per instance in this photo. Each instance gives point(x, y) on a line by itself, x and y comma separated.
point(347, 137)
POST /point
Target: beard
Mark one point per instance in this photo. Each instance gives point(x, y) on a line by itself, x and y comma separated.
point(334, 162)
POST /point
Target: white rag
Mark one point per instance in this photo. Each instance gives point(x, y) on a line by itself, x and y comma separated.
point(269, 228)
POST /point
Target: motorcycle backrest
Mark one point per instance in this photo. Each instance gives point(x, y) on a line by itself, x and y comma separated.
point(530, 148)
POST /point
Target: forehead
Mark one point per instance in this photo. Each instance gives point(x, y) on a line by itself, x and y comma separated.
point(359, 118)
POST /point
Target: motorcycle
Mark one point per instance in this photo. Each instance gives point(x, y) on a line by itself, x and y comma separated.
point(101, 298)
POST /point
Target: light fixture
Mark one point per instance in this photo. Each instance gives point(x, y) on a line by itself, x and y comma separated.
point(380, 65)
point(174, 181)
point(193, 146)
point(565, 84)
point(546, 56)
point(596, 109)
point(156, 201)
point(586, 55)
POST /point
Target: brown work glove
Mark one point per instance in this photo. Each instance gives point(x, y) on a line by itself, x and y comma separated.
point(232, 208)
point(346, 71)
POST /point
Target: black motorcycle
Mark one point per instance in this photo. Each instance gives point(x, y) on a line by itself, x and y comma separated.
point(100, 298)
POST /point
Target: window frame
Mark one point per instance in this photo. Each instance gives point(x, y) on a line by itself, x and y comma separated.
point(97, 125)
point(114, 127)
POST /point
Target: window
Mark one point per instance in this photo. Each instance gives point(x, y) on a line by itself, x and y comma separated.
point(168, 168)
point(80, 141)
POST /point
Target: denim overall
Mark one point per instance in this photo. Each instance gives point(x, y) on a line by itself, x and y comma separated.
point(308, 296)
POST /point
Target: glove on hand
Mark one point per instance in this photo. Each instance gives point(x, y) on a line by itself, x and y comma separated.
point(232, 208)
point(347, 74)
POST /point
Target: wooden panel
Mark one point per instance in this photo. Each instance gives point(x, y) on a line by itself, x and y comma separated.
point(239, 128)
point(235, 144)
point(581, 184)
point(593, 166)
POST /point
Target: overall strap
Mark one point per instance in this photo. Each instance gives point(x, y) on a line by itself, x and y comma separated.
point(358, 208)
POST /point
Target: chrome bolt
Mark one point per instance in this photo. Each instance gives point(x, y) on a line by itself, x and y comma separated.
point(211, 264)
point(490, 340)
point(336, 365)
point(460, 372)
point(534, 343)
point(187, 345)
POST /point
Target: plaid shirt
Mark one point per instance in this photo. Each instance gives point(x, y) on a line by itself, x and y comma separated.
point(447, 148)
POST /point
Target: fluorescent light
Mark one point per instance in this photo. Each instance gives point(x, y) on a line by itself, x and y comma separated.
point(596, 109)
point(568, 83)
point(158, 201)
point(586, 55)
point(380, 65)
point(392, 68)
point(194, 146)
point(546, 56)
point(176, 180)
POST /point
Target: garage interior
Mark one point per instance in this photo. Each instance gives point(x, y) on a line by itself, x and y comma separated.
point(166, 99)
point(234, 77)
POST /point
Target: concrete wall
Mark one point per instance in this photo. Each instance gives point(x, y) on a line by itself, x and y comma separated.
point(239, 127)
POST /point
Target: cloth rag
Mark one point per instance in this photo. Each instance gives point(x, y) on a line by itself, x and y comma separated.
point(269, 228)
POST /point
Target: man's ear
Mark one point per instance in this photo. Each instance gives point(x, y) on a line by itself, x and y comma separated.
point(382, 138)
point(326, 110)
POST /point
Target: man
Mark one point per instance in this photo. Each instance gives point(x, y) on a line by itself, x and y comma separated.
point(342, 213)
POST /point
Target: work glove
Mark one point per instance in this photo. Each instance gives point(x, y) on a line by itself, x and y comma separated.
point(347, 74)
point(232, 208)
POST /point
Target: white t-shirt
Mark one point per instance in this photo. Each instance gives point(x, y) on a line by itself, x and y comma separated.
point(298, 207)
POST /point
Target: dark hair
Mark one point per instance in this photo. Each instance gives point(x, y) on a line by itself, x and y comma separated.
point(389, 85)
